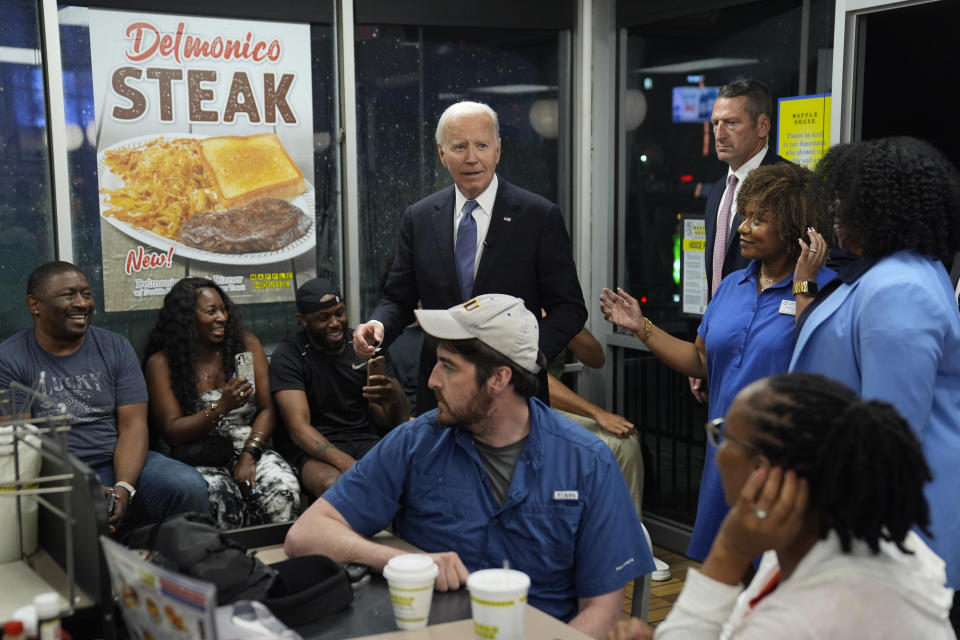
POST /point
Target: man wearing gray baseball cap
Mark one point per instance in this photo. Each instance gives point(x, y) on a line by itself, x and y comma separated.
point(491, 475)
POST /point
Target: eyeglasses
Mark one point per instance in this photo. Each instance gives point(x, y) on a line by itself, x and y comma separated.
point(716, 435)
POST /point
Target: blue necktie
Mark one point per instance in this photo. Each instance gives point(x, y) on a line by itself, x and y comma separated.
point(466, 250)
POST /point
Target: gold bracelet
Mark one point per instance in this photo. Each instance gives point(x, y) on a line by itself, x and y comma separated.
point(253, 444)
point(210, 409)
point(647, 330)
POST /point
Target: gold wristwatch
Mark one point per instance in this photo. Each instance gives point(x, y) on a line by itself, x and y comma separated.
point(807, 288)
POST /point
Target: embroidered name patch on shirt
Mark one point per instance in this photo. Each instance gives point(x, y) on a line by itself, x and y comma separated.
point(566, 495)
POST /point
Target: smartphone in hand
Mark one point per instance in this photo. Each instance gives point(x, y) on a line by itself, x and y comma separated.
point(244, 365)
point(376, 367)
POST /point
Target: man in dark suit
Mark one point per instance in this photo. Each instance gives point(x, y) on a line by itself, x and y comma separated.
point(741, 122)
point(481, 235)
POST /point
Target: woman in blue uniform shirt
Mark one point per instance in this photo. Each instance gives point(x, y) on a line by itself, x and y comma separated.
point(747, 331)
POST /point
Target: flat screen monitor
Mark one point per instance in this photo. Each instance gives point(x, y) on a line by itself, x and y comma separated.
point(693, 104)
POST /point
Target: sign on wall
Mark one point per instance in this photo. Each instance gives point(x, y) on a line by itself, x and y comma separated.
point(803, 133)
point(693, 284)
point(204, 132)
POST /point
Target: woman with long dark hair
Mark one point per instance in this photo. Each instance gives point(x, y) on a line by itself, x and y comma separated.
point(208, 414)
point(829, 487)
point(888, 326)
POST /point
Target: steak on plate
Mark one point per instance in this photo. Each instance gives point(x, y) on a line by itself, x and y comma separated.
point(267, 224)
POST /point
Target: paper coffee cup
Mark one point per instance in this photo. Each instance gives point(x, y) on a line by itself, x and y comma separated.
point(498, 599)
point(410, 578)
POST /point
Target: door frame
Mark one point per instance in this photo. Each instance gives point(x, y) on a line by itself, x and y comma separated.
point(848, 43)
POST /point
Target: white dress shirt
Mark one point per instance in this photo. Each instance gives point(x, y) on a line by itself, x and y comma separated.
point(741, 174)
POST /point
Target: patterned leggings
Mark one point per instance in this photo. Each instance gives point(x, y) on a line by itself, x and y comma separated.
point(277, 498)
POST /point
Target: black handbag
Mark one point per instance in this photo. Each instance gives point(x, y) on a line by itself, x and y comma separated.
point(191, 544)
point(307, 589)
point(298, 591)
point(209, 451)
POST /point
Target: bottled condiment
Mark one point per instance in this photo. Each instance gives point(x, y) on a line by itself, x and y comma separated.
point(27, 614)
point(13, 630)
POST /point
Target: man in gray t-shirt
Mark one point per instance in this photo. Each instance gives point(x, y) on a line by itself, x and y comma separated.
point(94, 374)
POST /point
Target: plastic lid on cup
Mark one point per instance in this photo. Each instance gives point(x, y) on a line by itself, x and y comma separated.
point(47, 604)
point(411, 566)
point(498, 580)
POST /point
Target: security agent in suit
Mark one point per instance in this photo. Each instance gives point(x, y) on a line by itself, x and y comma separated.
point(522, 248)
point(741, 121)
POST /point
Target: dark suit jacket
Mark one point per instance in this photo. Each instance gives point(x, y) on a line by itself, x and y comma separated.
point(733, 260)
point(526, 254)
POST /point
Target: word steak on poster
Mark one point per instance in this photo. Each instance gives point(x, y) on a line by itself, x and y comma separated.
point(204, 155)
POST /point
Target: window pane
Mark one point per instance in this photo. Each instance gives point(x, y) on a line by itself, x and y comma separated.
point(25, 208)
point(269, 321)
point(407, 76)
point(669, 168)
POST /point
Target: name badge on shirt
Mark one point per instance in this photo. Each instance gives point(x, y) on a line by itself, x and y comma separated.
point(566, 495)
point(788, 307)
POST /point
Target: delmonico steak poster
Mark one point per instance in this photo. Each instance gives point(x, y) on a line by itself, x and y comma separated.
point(204, 155)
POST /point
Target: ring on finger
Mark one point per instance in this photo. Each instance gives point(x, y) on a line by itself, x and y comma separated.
point(813, 250)
point(760, 513)
point(241, 393)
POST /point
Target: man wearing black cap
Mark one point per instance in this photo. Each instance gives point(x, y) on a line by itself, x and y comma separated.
point(333, 414)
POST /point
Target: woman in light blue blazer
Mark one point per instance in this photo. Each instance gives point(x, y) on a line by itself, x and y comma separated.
point(888, 325)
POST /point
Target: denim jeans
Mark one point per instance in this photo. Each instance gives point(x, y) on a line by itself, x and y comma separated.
point(165, 488)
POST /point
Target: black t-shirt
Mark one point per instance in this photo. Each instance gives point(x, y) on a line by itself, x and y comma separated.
point(333, 384)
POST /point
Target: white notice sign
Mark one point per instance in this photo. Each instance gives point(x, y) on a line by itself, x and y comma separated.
point(693, 279)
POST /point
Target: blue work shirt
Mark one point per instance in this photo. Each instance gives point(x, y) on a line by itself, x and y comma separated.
point(747, 337)
point(568, 521)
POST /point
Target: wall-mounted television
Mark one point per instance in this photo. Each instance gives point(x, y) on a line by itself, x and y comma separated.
point(693, 104)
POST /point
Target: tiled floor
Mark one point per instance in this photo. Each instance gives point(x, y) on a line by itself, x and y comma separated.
point(662, 594)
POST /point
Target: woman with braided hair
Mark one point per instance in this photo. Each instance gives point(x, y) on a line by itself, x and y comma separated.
point(829, 488)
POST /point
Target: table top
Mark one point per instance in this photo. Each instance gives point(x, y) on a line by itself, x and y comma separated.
point(372, 612)
point(371, 616)
point(537, 626)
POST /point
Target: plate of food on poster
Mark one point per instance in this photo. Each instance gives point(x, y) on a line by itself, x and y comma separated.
point(235, 200)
